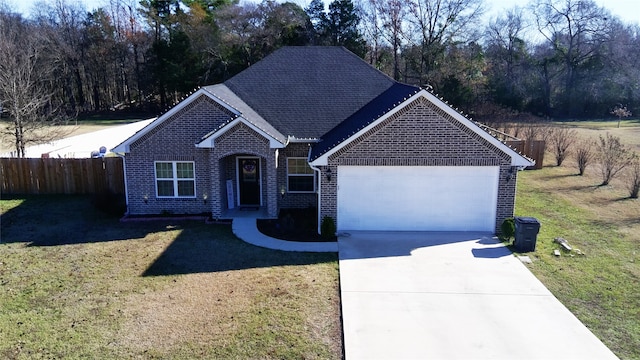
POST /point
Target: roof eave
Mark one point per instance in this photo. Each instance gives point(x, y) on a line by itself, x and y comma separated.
point(125, 146)
point(323, 159)
point(209, 140)
point(517, 159)
point(295, 140)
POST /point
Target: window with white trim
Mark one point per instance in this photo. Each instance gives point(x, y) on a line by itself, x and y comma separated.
point(300, 176)
point(175, 179)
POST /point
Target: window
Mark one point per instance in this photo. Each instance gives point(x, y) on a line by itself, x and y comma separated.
point(175, 179)
point(300, 176)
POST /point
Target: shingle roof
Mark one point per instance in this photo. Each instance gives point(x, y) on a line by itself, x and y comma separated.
point(223, 93)
point(306, 91)
point(370, 112)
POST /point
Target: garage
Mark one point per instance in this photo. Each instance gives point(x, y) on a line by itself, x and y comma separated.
point(417, 198)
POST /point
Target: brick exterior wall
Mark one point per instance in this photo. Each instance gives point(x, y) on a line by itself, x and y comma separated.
point(421, 134)
point(293, 200)
point(173, 140)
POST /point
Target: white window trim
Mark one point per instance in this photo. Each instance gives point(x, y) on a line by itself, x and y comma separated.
point(312, 174)
point(175, 179)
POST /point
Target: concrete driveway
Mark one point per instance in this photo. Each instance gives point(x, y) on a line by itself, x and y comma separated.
point(451, 296)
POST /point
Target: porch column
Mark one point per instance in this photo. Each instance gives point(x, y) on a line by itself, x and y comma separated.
point(217, 195)
point(272, 184)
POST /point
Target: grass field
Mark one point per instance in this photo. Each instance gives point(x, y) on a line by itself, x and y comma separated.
point(74, 284)
point(602, 287)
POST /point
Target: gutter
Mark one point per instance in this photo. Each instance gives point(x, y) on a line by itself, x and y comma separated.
point(293, 139)
point(319, 192)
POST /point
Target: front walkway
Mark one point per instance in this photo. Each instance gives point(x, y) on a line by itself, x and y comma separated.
point(246, 229)
point(451, 296)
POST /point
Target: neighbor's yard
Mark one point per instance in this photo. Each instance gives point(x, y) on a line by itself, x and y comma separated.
point(74, 284)
point(84, 126)
point(602, 288)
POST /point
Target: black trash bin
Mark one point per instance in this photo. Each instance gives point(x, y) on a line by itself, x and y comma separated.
point(527, 229)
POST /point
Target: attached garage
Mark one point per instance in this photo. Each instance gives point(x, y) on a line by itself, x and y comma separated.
point(417, 198)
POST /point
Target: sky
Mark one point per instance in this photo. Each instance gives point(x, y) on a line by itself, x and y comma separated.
point(627, 10)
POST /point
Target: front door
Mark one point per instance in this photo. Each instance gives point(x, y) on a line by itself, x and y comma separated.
point(249, 181)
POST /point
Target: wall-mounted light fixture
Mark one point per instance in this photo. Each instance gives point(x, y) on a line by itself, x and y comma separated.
point(510, 174)
point(205, 196)
point(328, 173)
point(145, 197)
point(282, 192)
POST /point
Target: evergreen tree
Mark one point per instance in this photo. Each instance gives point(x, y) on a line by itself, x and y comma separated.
point(342, 27)
point(319, 21)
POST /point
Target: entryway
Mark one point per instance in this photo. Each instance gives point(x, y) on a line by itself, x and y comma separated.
point(249, 182)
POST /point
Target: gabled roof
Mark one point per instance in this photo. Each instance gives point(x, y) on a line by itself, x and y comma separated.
point(306, 91)
point(124, 147)
point(223, 93)
point(372, 111)
point(388, 104)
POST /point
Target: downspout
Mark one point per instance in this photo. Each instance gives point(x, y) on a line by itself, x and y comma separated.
point(126, 189)
point(317, 170)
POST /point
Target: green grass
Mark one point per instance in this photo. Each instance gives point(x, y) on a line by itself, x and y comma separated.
point(603, 124)
point(77, 284)
point(602, 287)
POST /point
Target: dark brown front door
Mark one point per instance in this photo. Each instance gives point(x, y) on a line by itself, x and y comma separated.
point(249, 181)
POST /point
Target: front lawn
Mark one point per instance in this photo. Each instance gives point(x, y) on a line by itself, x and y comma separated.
point(77, 284)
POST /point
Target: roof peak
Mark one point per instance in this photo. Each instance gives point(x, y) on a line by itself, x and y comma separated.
point(304, 91)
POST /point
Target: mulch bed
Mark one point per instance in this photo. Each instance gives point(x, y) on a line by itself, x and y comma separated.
point(294, 225)
point(206, 217)
point(291, 224)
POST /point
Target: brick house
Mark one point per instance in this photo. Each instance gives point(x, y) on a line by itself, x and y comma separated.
point(317, 126)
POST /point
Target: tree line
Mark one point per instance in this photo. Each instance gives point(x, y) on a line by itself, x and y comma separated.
point(554, 58)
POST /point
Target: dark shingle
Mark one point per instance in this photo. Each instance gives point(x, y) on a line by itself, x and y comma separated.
point(370, 112)
point(306, 91)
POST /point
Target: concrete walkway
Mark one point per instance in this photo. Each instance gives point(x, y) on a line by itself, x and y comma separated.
point(451, 296)
point(246, 229)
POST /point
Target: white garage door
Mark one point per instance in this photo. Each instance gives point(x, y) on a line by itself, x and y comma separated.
point(422, 198)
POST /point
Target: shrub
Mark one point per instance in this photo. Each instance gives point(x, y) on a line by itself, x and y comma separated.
point(633, 180)
point(584, 155)
point(328, 227)
point(613, 156)
point(561, 140)
point(508, 229)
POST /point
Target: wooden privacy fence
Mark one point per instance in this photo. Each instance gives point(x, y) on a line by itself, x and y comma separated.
point(62, 176)
point(533, 149)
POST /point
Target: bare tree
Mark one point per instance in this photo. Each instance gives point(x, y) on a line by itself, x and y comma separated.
point(613, 157)
point(507, 57)
point(391, 14)
point(23, 84)
point(584, 155)
point(620, 112)
point(575, 31)
point(438, 23)
point(633, 179)
point(561, 139)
